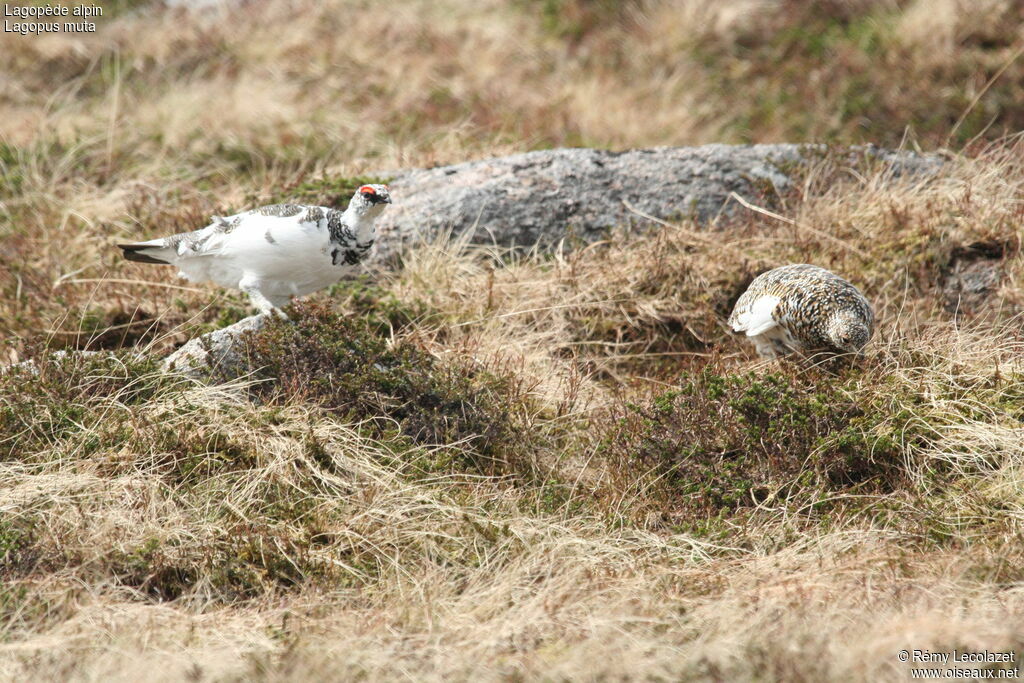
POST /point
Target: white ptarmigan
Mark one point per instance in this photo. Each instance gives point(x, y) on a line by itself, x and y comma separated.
point(803, 308)
point(274, 252)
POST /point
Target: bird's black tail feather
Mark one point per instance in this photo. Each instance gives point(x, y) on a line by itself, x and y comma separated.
point(133, 252)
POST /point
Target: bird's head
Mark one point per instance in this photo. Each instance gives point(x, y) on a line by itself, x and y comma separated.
point(848, 332)
point(370, 199)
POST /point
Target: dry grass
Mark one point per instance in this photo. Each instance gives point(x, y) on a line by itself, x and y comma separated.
point(296, 529)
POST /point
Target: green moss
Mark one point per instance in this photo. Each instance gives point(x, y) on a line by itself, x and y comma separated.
point(16, 539)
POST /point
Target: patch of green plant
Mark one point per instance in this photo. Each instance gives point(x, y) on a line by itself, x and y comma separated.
point(15, 541)
point(344, 364)
point(555, 496)
point(255, 157)
point(55, 396)
point(233, 308)
point(193, 456)
point(572, 20)
point(380, 308)
point(245, 561)
point(821, 32)
point(851, 53)
point(148, 569)
point(11, 178)
point(721, 442)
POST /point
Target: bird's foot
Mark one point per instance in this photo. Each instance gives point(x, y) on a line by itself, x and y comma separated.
point(260, 301)
point(271, 312)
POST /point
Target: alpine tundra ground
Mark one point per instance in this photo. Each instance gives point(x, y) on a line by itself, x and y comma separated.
point(497, 465)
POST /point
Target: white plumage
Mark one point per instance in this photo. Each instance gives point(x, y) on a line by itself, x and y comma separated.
point(758, 318)
point(275, 252)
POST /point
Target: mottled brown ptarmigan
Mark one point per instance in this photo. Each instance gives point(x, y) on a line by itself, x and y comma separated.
point(275, 252)
point(803, 308)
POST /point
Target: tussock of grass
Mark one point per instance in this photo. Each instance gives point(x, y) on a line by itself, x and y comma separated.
point(42, 402)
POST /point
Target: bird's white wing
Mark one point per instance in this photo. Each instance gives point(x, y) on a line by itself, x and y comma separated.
point(184, 245)
point(208, 241)
point(264, 241)
point(757, 316)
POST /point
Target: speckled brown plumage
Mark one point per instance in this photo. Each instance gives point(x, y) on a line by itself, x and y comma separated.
point(803, 308)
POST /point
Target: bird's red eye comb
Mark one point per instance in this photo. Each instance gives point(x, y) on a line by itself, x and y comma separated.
point(367, 189)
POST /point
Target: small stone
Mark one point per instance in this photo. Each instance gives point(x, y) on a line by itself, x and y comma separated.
point(216, 354)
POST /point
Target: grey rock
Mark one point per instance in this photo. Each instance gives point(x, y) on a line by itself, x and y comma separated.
point(545, 196)
point(215, 354)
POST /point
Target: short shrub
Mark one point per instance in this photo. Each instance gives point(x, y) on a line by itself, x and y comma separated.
point(345, 365)
point(382, 311)
point(722, 442)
